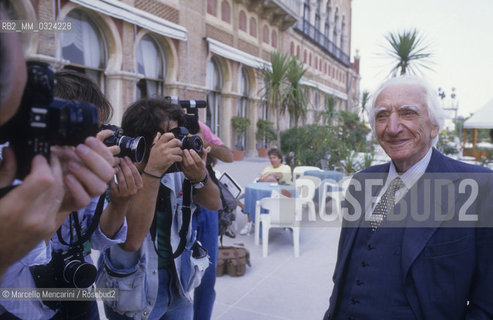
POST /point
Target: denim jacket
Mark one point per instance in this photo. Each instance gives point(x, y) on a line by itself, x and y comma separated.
point(135, 274)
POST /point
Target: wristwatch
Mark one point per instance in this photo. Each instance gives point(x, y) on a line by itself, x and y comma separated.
point(201, 184)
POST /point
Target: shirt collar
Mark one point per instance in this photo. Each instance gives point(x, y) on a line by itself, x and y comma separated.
point(412, 174)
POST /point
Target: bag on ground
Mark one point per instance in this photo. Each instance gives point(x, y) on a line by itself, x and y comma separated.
point(232, 260)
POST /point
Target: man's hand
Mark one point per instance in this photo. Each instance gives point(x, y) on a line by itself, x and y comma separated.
point(193, 166)
point(166, 150)
point(29, 212)
point(87, 170)
point(129, 182)
point(8, 167)
point(103, 135)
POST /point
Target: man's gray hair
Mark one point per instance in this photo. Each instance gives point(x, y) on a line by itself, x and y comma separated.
point(435, 112)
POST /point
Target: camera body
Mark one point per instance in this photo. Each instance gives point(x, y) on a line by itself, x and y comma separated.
point(134, 148)
point(188, 142)
point(66, 269)
point(186, 134)
point(42, 121)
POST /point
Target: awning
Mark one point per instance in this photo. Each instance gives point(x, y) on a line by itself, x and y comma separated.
point(120, 10)
point(234, 54)
point(482, 118)
point(323, 88)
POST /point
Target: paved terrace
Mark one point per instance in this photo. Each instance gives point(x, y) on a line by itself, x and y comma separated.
point(279, 286)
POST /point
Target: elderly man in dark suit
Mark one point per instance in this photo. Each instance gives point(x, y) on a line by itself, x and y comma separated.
point(416, 241)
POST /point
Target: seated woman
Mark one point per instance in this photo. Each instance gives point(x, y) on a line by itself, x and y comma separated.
point(276, 172)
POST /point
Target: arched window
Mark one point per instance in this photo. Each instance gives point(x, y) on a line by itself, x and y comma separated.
point(273, 39)
point(212, 7)
point(152, 64)
point(225, 11)
point(242, 21)
point(84, 47)
point(291, 48)
point(343, 33)
point(253, 27)
point(265, 34)
point(214, 84)
point(244, 88)
point(336, 22)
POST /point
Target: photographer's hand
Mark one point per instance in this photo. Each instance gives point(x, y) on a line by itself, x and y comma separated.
point(165, 151)
point(129, 183)
point(8, 167)
point(193, 167)
point(87, 170)
point(29, 212)
point(104, 134)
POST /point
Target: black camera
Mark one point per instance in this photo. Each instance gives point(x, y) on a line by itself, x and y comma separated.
point(134, 148)
point(66, 270)
point(192, 116)
point(188, 142)
point(42, 121)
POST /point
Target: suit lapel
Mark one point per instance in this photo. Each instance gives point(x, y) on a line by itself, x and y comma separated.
point(415, 238)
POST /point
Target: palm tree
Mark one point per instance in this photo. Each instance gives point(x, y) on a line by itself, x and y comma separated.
point(409, 50)
point(365, 99)
point(329, 111)
point(274, 79)
point(293, 100)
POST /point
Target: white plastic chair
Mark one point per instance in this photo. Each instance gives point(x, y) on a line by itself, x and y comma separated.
point(282, 214)
point(299, 171)
point(276, 195)
point(305, 193)
point(335, 195)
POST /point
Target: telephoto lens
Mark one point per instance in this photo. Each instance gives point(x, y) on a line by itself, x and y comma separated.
point(79, 274)
point(134, 148)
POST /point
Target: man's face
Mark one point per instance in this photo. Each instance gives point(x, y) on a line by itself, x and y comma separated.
point(274, 160)
point(402, 124)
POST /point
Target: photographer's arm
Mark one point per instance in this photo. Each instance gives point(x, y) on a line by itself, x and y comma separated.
point(121, 195)
point(220, 152)
point(194, 169)
point(29, 212)
point(217, 149)
point(87, 169)
point(165, 151)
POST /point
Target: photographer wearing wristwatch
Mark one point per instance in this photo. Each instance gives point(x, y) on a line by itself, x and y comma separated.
point(160, 261)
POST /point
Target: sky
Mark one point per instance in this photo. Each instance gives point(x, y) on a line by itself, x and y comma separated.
point(459, 34)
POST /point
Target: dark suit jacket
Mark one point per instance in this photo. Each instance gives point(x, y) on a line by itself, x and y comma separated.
point(447, 268)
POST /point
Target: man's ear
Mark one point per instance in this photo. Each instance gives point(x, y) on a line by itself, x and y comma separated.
point(434, 131)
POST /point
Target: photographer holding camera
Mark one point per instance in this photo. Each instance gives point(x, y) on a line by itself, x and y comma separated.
point(160, 263)
point(32, 212)
point(91, 227)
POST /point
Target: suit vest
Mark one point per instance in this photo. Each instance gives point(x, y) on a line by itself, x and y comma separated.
point(372, 285)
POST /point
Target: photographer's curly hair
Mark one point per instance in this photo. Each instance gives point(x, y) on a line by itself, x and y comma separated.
point(145, 118)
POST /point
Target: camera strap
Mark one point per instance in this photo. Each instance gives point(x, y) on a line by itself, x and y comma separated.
point(81, 239)
point(186, 216)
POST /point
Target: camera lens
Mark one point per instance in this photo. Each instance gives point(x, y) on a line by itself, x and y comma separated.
point(132, 147)
point(70, 123)
point(192, 143)
point(79, 274)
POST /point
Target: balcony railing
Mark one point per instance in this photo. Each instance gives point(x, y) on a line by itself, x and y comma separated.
point(322, 41)
point(293, 7)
